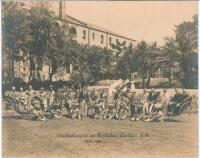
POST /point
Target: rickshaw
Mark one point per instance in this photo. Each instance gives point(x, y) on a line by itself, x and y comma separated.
point(177, 108)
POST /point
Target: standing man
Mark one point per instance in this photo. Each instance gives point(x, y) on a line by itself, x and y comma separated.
point(60, 97)
point(165, 99)
point(51, 96)
point(22, 100)
point(43, 97)
point(29, 96)
point(144, 100)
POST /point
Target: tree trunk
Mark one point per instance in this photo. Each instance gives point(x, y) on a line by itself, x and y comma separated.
point(148, 78)
point(11, 67)
point(30, 76)
point(51, 73)
point(186, 77)
point(51, 76)
point(38, 75)
point(185, 70)
point(143, 80)
point(30, 70)
point(170, 74)
point(38, 68)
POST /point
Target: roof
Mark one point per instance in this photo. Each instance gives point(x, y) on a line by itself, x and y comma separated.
point(73, 20)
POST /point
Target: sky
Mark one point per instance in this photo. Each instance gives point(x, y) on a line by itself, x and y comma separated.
point(140, 20)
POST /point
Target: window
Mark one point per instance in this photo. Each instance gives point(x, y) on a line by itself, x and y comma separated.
point(72, 30)
point(102, 38)
point(110, 40)
point(93, 35)
point(84, 34)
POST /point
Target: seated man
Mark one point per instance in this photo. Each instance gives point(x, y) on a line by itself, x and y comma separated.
point(177, 97)
point(179, 102)
point(121, 114)
point(122, 108)
point(186, 100)
point(37, 112)
point(75, 112)
point(99, 109)
point(174, 101)
point(111, 113)
point(99, 113)
point(185, 96)
point(11, 97)
point(152, 98)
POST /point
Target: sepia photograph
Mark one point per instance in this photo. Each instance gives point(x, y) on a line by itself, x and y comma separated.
point(104, 79)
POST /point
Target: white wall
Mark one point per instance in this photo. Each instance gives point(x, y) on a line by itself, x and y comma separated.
point(97, 37)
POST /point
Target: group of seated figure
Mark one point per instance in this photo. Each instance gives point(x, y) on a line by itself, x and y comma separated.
point(97, 104)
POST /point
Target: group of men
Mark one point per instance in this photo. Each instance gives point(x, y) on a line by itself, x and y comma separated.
point(97, 104)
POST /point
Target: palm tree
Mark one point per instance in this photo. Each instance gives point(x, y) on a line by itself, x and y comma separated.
point(141, 54)
point(152, 64)
point(145, 56)
point(169, 51)
point(186, 38)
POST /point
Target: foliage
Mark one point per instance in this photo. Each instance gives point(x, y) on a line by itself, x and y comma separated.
point(44, 32)
point(146, 60)
point(47, 42)
point(169, 51)
point(125, 64)
point(184, 48)
point(15, 35)
point(15, 29)
point(90, 64)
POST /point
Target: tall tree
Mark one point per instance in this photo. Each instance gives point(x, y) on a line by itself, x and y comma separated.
point(124, 59)
point(141, 51)
point(126, 63)
point(15, 32)
point(145, 56)
point(169, 51)
point(152, 64)
point(41, 32)
point(186, 38)
point(90, 64)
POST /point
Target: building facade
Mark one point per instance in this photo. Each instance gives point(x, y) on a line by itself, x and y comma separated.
point(91, 35)
point(84, 33)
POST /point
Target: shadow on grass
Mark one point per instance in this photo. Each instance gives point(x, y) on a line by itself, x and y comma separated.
point(173, 120)
point(12, 117)
point(18, 117)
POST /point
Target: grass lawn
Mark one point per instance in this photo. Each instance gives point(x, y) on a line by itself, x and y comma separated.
point(99, 138)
